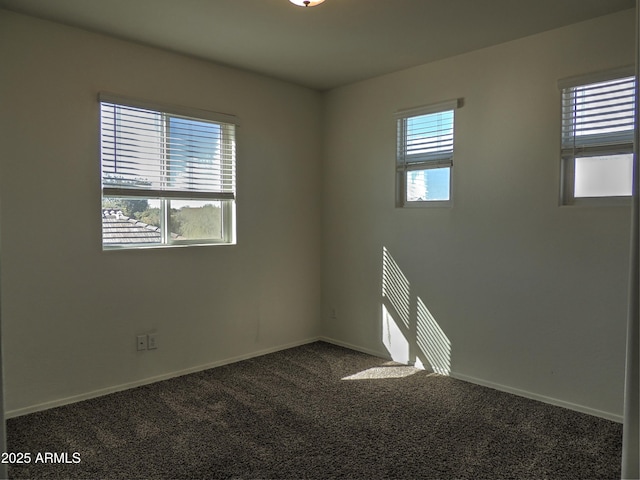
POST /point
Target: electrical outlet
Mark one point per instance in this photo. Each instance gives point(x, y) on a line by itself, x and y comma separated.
point(152, 341)
point(141, 342)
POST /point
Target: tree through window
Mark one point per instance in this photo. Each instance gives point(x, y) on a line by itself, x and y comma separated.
point(168, 175)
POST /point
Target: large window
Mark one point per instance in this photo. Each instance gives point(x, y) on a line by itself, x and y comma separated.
point(168, 175)
point(598, 116)
point(425, 155)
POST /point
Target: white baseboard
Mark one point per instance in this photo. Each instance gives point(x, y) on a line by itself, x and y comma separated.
point(117, 388)
point(503, 388)
point(146, 381)
point(357, 348)
point(541, 398)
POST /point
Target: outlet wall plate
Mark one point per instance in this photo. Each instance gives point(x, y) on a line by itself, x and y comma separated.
point(141, 341)
point(152, 341)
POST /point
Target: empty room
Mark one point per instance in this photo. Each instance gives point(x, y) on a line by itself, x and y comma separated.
point(329, 239)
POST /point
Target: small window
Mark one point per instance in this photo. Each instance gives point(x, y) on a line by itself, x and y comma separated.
point(598, 119)
point(425, 155)
point(168, 175)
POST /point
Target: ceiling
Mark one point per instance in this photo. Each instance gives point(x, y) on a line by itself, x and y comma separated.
point(332, 44)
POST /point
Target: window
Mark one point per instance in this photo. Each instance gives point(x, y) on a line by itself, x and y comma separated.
point(425, 155)
point(598, 117)
point(168, 175)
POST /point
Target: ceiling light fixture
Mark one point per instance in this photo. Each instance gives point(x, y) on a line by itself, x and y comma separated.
point(306, 3)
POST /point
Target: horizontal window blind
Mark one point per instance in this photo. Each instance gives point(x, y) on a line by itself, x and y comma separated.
point(598, 115)
point(425, 138)
point(151, 153)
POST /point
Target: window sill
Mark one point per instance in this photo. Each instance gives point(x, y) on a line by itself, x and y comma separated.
point(122, 248)
point(427, 204)
point(598, 202)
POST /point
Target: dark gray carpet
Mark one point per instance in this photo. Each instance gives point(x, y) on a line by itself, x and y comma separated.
point(290, 415)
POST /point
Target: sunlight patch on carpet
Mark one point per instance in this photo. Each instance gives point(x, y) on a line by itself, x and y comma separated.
point(377, 373)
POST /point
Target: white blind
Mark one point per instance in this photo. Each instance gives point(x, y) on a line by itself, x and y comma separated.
point(148, 152)
point(599, 114)
point(426, 138)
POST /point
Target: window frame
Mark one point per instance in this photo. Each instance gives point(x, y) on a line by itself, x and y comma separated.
point(407, 163)
point(228, 125)
point(599, 145)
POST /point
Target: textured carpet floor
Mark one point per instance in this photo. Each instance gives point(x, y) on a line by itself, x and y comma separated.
point(292, 415)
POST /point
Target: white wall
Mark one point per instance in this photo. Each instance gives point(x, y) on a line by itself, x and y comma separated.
point(531, 296)
point(70, 311)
